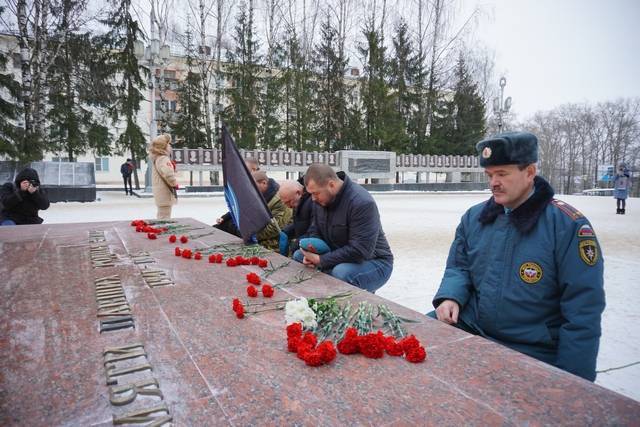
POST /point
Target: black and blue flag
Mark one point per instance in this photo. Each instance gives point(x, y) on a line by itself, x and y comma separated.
point(248, 209)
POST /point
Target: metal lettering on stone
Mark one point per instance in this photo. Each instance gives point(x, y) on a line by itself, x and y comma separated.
point(127, 393)
point(96, 236)
point(116, 323)
point(145, 416)
point(155, 278)
point(142, 258)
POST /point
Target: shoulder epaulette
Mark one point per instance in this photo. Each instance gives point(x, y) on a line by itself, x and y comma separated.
point(567, 209)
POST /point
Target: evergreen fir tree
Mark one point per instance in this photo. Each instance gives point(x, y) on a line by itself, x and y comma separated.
point(299, 97)
point(383, 129)
point(122, 64)
point(331, 89)
point(75, 111)
point(459, 122)
point(189, 125)
point(403, 78)
point(10, 133)
point(469, 112)
point(241, 115)
point(270, 127)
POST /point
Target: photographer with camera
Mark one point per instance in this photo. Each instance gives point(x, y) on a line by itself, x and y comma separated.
point(22, 200)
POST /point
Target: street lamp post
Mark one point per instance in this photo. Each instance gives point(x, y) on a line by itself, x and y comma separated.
point(499, 107)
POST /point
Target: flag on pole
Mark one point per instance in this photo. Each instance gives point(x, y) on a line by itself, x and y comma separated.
point(248, 209)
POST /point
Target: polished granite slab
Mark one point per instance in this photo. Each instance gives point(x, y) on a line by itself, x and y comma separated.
point(213, 369)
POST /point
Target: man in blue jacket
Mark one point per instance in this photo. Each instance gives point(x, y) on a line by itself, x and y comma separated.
point(525, 269)
point(346, 218)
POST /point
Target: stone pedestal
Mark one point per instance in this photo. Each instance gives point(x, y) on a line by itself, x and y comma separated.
point(194, 363)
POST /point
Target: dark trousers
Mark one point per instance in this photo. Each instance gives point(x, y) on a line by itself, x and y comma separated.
point(127, 179)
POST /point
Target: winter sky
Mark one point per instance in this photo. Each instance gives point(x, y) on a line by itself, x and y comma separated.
point(554, 52)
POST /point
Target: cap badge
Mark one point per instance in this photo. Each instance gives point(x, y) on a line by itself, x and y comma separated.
point(486, 153)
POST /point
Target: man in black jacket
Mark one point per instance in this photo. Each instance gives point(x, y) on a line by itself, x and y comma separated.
point(22, 201)
point(346, 218)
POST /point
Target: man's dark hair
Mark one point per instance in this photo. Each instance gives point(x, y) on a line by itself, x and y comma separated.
point(320, 174)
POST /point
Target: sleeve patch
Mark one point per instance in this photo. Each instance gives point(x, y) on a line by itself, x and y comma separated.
point(588, 251)
point(567, 209)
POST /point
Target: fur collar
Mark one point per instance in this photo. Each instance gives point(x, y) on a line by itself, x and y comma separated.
point(525, 216)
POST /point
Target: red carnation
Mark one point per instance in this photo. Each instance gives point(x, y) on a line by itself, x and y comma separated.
point(252, 291)
point(392, 347)
point(303, 349)
point(255, 260)
point(186, 253)
point(238, 308)
point(263, 263)
point(348, 345)
point(139, 229)
point(184, 239)
point(416, 354)
point(172, 238)
point(240, 312)
point(253, 278)
point(197, 256)
point(178, 252)
point(312, 358)
point(327, 351)
point(409, 343)
point(267, 291)
point(231, 262)
point(292, 344)
point(294, 330)
point(310, 339)
point(370, 346)
point(219, 258)
point(246, 261)
point(239, 259)
point(351, 333)
point(152, 236)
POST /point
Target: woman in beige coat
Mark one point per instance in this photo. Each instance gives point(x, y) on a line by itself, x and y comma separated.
point(163, 179)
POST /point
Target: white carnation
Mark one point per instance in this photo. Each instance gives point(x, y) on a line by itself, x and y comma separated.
point(299, 311)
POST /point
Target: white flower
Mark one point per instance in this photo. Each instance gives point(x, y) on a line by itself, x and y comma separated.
point(299, 311)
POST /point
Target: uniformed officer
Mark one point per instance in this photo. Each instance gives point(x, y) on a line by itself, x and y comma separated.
point(525, 269)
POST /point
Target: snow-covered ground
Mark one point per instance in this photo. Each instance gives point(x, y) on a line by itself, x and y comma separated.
point(420, 228)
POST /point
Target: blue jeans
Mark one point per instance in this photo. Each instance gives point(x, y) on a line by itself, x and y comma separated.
point(7, 222)
point(368, 275)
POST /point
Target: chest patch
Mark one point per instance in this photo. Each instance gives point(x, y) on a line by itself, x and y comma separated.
point(586, 231)
point(530, 272)
point(588, 250)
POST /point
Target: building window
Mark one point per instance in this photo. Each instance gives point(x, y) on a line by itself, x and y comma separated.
point(102, 164)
